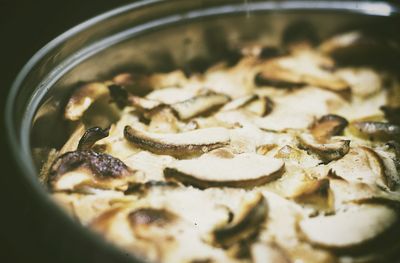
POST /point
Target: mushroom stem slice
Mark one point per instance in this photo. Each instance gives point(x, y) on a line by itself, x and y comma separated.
point(246, 225)
point(375, 130)
point(349, 229)
point(91, 136)
point(178, 144)
point(82, 98)
point(199, 105)
point(332, 150)
point(328, 126)
point(243, 170)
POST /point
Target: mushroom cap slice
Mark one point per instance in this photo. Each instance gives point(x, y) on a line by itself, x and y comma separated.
point(243, 170)
point(349, 229)
point(87, 168)
point(327, 126)
point(82, 98)
point(199, 105)
point(362, 48)
point(363, 164)
point(178, 144)
point(329, 151)
point(380, 131)
point(249, 221)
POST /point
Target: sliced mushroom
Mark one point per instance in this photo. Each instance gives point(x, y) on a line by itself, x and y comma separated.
point(239, 102)
point(86, 167)
point(392, 114)
point(345, 192)
point(328, 126)
point(82, 98)
point(123, 98)
point(144, 104)
point(163, 120)
point(141, 84)
point(329, 151)
point(245, 225)
point(258, 105)
point(375, 130)
point(199, 105)
point(179, 144)
point(349, 229)
point(243, 170)
point(363, 164)
point(91, 136)
point(299, 70)
point(264, 252)
point(361, 48)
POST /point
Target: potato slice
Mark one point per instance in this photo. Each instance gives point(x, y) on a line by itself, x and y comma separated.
point(349, 229)
point(243, 170)
point(178, 144)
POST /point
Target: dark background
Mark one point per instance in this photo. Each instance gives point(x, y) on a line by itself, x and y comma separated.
point(26, 26)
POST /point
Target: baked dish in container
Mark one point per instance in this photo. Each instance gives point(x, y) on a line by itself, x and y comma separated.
point(285, 153)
